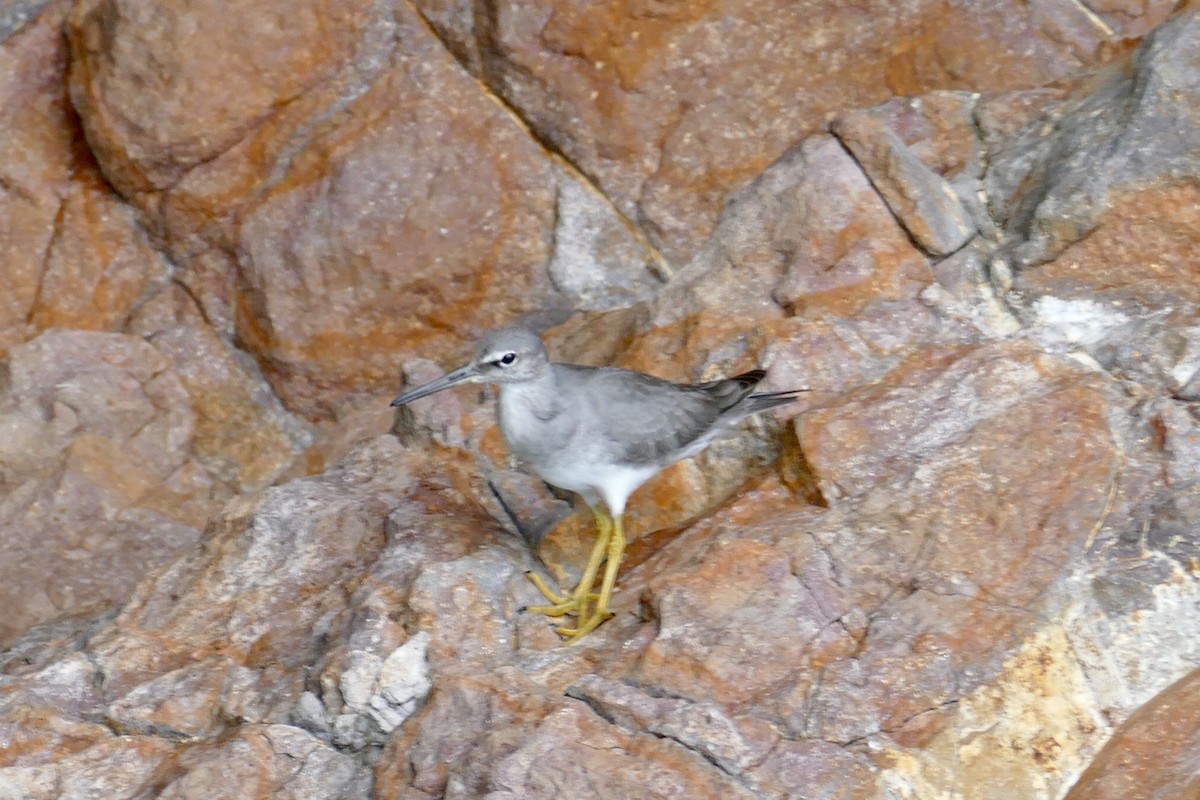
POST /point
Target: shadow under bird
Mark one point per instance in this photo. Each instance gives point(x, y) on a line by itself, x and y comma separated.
point(600, 432)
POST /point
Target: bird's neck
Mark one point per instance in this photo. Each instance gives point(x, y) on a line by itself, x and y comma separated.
point(539, 397)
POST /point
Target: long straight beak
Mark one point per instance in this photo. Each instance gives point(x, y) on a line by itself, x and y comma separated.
point(465, 374)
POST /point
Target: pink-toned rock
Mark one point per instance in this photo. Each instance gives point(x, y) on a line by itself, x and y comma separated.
point(276, 761)
point(811, 253)
point(134, 444)
point(100, 265)
point(976, 559)
point(918, 580)
point(575, 752)
point(734, 744)
point(793, 768)
point(357, 206)
point(261, 554)
point(672, 109)
point(119, 767)
point(466, 727)
point(1142, 252)
point(719, 626)
point(32, 116)
point(243, 436)
point(961, 390)
point(742, 747)
point(334, 440)
point(49, 711)
point(182, 704)
point(1100, 246)
point(269, 760)
point(923, 200)
point(101, 486)
point(74, 254)
point(1059, 181)
point(810, 236)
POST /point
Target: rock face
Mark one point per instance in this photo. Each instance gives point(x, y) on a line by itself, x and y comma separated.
point(963, 564)
point(362, 200)
point(670, 107)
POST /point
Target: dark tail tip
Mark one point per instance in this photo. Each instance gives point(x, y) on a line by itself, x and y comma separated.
point(767, 400)
point(750, 378)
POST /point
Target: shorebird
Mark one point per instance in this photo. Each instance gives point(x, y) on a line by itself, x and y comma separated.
point(600, 432)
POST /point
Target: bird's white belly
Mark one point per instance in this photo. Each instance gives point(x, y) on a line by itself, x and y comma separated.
point(565, 452)
point(614, 483)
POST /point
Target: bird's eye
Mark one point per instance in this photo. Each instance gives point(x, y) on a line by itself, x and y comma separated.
point(505, 359)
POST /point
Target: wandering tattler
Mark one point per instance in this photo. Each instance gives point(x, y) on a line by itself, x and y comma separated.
point(600, 432)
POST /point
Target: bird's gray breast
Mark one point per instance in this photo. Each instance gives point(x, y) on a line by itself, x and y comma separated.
point(535, 431)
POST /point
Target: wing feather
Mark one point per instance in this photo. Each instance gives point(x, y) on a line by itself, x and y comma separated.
point(645, 420)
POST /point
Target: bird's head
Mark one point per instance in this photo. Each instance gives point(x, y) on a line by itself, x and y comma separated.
point(509, 355)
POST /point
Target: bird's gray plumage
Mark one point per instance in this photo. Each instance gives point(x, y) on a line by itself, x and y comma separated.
point(600, 432)
point(576, 425)
point(615, 402)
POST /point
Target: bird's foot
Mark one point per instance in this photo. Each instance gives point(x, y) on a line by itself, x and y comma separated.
point(610, 542)
point(576, 603)
point(584, 626)
point(543, 587)
point(571, 605)
point(614, 546)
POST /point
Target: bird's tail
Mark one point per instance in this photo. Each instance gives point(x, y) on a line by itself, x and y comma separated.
point(733, 394)
point(767, 400)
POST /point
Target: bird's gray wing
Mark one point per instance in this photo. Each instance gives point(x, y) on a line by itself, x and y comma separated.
point(643, 419)
point(728, 392)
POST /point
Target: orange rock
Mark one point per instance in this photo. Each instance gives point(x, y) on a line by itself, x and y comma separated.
point(361, 203)
point(672, 109)
point(1150, 755)
point(74, 254)
point(328, 196)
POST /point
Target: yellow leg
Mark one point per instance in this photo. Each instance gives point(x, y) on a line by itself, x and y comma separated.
point(558, 605)
point(616, 548)
point(604, 531)
point(544, 588)
point(579, 599)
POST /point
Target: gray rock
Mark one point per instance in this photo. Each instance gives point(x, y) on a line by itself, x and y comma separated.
point(310, 714)
point(98, 481)
point(402, 684)
point(278, 760)
point(599, 260)
point(1138, 127)
point(924, 202)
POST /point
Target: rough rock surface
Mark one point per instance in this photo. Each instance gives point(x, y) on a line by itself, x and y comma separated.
point(73, 254)
point(362, 201)
point(1151, 753)
point(670, 107)
point(964, 564)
